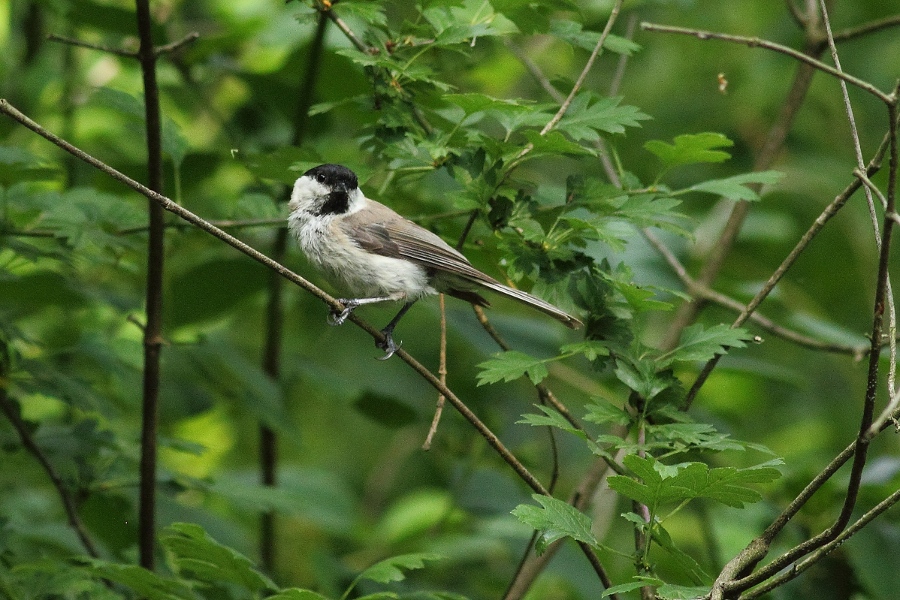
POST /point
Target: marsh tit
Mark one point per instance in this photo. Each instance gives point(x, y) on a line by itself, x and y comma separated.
point(365, 248)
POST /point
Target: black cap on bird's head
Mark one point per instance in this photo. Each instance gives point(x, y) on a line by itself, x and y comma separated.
point(340, 183)
point(334, 176)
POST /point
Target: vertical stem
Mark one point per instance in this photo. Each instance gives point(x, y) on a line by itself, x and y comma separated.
point(153, 327)
point(268, 440)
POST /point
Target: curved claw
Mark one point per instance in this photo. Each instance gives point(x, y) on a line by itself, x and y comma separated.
point(337, 318)
point(388, 345)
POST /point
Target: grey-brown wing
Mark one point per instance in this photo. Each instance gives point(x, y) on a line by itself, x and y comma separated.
point(386, 233)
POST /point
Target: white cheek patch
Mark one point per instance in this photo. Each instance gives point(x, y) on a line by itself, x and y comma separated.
point(305, 194)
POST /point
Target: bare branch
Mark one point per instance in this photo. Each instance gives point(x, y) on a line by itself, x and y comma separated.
point(754, 42)
point(68, 503)
point(99, 47)
point(175, 46)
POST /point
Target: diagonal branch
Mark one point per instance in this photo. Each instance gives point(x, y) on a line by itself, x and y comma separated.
point(432, 379)
point(755, 42)
point(9, 409)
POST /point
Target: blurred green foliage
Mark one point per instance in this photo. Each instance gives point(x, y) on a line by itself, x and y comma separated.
point(442, 119)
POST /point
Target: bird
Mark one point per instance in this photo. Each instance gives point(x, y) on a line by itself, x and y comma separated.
point(370, 251)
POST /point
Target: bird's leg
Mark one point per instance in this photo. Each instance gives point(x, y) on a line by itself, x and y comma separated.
point(388, 345)
point(350, 304)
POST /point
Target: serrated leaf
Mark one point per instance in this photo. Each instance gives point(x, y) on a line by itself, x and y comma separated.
point(699, 343)
point(735, 188)
point(370, 12)
point(572, 32)
point(555, 519)
point(511, 365)
point(691, 149)
point(629, 586)
point(297, 594)
point(195, 552)
point(391, 569)
point(584, 120)
point(145, 583)
point(591, 349)
point(642, 377)
point(552, 143)
point(602, 412)
point(662, 484)
point(551, 418)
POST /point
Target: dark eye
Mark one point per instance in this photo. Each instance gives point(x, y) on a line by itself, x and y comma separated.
point(321, 178)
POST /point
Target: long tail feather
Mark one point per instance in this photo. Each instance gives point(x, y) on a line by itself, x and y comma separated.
point(534, 302)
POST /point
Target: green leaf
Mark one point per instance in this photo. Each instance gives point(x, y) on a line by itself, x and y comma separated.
point(699, 343)
point(585, 119)
point(602, 412)
point(690, 149)
point(668, 591)
point(174, 145)
point(509, 366)
point(551, 418)
point(661, 484)
point(144, 583)
point(553, 143)
point(297, 594)
point(555, 519)
point(474, 102)
point(370, 12)
point(638, 582)
point(572, 32)
point(591, 349)
point(735, 188)
point(194, 551)
point(285, 165)
point(391, 569)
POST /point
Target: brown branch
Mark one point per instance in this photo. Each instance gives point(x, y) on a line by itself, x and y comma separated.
point(8, 408)
point(153, 337)
point(183, 213)
point(99, 47)
point(177, 45)
point(442, 372)
point(687, 312)
point(812, 559)
point(755, 42)
point(698, 290)
point(867, 28)
point(873, 167)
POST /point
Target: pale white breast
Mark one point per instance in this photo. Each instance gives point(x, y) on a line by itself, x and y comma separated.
point(352, 269)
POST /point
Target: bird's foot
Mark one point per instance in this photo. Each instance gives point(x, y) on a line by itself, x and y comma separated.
point(337, 317)
point(388, 344)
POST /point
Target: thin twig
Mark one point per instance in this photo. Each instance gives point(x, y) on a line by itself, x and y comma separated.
point(175, 46)
point(698, 290)
point(775, 137)
point(68, 503)
point(614, 13)
point(183, 213)
point(813, 558)
point(873, 167)
point(99, 47)
point(755, 42)
point(867, 28)
point(860, 166)
point(442, 373)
